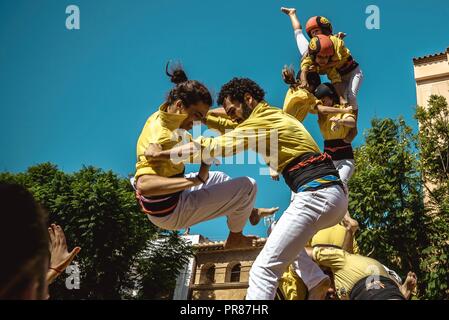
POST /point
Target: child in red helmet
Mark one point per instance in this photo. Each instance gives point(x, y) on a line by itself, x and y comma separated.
point(329, 55)
point(315, 26)
point(342, 70)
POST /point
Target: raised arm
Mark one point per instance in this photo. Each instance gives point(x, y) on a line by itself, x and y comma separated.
point(301, 40)
point(291, 12)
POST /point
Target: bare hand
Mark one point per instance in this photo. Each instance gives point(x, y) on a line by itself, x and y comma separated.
point(288, 11)
point(350, 224)
point(60, 257)
point(348, 109)
point(274, 175)
point(341, 35)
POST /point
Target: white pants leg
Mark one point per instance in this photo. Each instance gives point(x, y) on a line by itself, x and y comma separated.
point(220, 196)
point(307, 269)
point(308, 213)
point(309, 272)
point(353, 82)
point(346, 169)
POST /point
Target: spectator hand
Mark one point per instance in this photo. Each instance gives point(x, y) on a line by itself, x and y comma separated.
point(61, 258)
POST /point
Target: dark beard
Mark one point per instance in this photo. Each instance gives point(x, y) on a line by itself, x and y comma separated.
point(246, 111)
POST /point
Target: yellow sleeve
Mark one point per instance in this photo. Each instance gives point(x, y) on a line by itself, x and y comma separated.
point(299, 97)
point(329, 257)
point(333, 75)
point(220, 124)
point(233, 142)
point(306, 63)
point(341, 52)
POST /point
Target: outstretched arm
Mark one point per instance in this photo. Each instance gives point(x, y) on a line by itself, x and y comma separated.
point(291, 12)
point(347, 122)
point(301, 41)
point(332, 110)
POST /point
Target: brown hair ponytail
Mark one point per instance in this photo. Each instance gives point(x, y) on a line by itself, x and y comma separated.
point(188, 91)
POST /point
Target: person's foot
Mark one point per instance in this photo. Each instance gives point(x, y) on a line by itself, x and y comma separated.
point(239, 241)
point(409, 285)
point(260, 213)
point(319, 292)
point(288, 11)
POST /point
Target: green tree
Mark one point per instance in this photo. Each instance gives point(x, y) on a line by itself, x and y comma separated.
point(386, 197)
point(157, 268)
point(99, 213)
point(433, 142)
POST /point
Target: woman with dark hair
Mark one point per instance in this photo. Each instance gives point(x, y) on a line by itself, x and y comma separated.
point(28, 266)
point(318, 201)
point(173, 200)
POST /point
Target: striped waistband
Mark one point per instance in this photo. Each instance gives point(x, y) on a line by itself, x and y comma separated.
point(159, 206)
point(320, 183)
point(348, 67)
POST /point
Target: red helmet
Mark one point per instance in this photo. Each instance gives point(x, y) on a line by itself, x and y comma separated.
point(321, 23)
point(321, 44)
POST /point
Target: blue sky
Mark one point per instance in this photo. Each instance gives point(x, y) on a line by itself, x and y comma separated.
point(81, 97)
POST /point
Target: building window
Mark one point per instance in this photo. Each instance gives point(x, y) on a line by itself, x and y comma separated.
point(235, 273)
point(208, 274)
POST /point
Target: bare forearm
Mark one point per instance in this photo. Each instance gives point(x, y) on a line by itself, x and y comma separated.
point(330, 110)
point(295, 22)
point(153, 186)
point(350, 123)
point(51, 276)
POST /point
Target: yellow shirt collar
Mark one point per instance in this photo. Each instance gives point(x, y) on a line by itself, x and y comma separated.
point(171, 121)
point(258, 109)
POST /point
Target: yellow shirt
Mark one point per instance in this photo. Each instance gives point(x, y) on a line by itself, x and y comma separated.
point(348, 268)
point(221, 124)
point(160, 129)
point(298, 103)
point(330, 130)
point(338, 60)
point(264, 123)
point(292, 286)
point(334, 236)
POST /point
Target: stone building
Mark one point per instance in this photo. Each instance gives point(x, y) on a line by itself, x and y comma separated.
point(432, 76)
point(215, 273)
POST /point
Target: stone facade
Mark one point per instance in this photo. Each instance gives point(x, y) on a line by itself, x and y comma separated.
point(432, 76)
point(222, 274)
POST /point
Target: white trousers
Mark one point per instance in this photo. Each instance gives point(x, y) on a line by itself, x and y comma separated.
point(308, 213)
point(304, 266)
point(219, 196)
point(309, 272)
point(353, 81)
point(346, 169)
